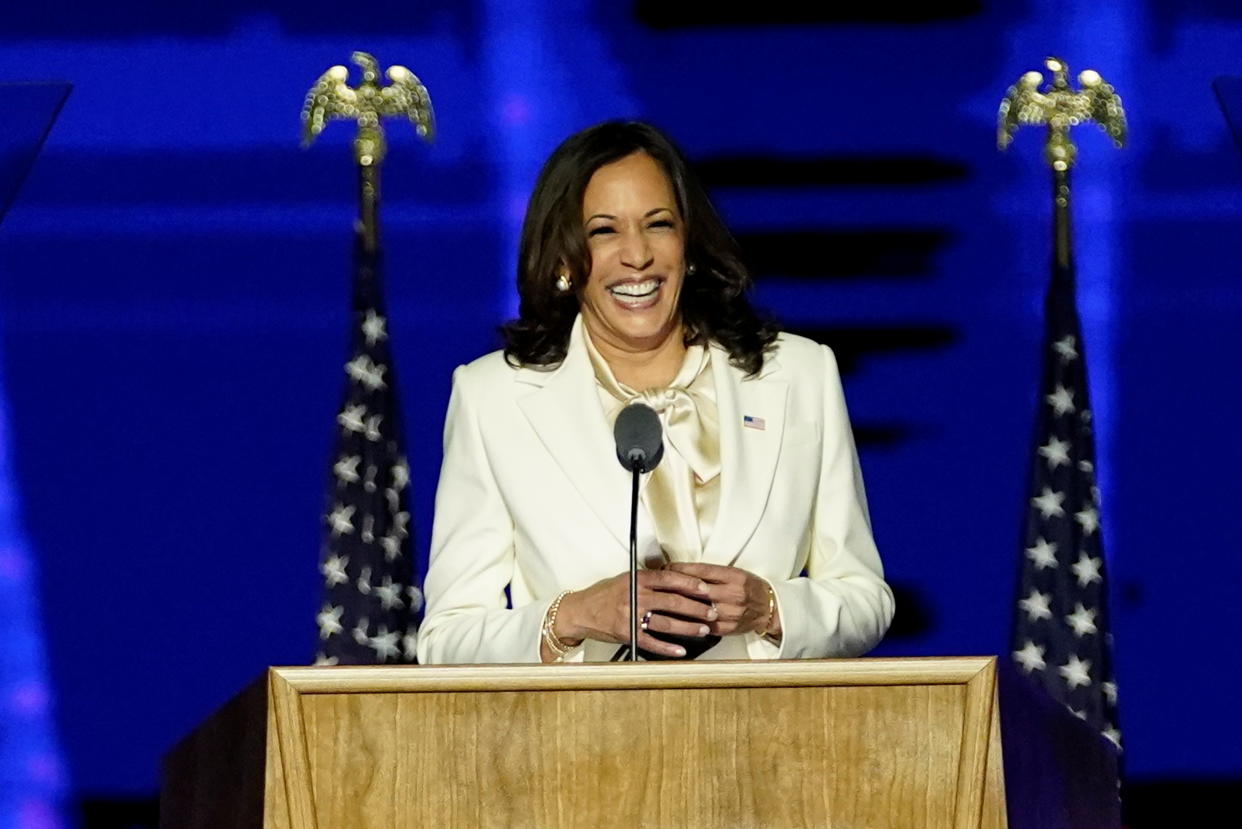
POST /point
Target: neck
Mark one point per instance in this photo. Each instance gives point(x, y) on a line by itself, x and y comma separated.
point(643, 367)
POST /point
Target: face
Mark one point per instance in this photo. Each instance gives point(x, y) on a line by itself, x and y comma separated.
point(636, 240)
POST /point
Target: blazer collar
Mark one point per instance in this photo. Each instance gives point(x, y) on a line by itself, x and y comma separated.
point(565, 412)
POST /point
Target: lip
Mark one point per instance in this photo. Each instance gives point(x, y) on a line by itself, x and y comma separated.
point(636, 303)
point(631, 280)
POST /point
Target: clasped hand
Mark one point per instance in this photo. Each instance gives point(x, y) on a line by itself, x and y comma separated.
point(684, 599)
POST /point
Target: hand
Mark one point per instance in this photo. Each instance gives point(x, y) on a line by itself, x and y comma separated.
point(740, 597)
point(602, 611)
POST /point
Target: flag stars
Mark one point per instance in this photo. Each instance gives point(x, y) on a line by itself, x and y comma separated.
point(329, 621)
point(392, 546)
point(372, 428)
point(409, 646)
point(346, 469)
point(389, 594)
point(1062, 400)
point(400, 475)
point(364, 581)
point(351, 418)
point(1076, 672)
point(373, 327)
point(1049, 503)
point(1087, 570)
point(1112, 735)
point(369, 374)
point(1036, 606)
point(1043, 554)
point(341, 519)
point(361, 631)
point(333, 569)
point(1056, 452)
point(1110, 692)
point(1089, 519)
point(385, 644)
point(400, 524)
point(1082, 620)
point(1031, 657)
point(1065, 349)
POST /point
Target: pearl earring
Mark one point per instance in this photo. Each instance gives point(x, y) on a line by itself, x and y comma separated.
point(562, 282)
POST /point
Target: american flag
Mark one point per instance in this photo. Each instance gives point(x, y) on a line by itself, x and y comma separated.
point(1061, 638)
point(370, 597)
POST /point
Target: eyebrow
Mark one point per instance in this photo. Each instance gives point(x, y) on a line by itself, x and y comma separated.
point(646, 215)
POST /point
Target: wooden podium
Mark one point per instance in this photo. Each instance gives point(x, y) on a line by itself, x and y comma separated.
point(846, 743)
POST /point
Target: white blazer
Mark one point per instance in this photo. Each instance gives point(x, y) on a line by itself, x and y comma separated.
point(532, 500)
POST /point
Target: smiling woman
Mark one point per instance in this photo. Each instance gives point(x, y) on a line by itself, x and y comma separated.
point(754, 528)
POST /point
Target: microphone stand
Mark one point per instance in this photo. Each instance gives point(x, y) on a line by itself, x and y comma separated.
point(632, 647)
point(634, 565)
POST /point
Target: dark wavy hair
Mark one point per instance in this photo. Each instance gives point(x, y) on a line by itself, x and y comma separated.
point(714, 303)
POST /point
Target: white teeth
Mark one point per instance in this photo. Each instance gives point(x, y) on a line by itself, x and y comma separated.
point(636, 289)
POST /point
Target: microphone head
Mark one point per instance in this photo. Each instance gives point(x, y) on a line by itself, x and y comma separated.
point(640, 438)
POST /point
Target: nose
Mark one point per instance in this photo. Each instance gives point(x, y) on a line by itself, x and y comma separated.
point(636, 251)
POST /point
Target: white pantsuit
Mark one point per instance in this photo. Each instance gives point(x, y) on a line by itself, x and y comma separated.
point(532, 498)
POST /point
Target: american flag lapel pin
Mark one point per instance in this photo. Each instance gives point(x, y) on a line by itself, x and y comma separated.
point(751, 422)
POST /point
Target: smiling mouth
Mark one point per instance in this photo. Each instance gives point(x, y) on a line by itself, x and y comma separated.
point(630, 292)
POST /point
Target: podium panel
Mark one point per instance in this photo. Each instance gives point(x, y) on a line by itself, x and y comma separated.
point(850, 743)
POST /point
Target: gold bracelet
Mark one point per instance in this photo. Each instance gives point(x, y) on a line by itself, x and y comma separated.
point(555, 645)
point(767, 626)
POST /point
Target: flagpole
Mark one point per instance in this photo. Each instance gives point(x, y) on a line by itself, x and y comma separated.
point(370, 592)
point(1061, 640)
point(1061, 251)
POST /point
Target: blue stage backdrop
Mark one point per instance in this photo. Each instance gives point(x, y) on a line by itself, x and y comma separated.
point(175, 295)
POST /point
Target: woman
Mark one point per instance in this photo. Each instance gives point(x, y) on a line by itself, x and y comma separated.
point(754, 527)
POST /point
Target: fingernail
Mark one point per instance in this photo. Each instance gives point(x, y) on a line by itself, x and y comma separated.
point(712, 614)
point(679, 651)
point(704, 630)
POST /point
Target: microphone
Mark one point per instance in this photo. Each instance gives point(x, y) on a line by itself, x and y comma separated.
point(640, 445)
point(639, 437)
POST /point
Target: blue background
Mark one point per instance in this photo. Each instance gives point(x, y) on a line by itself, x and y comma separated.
point(174, 298)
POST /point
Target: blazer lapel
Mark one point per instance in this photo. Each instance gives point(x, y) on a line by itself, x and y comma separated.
point(566, 414)
point(748, 451)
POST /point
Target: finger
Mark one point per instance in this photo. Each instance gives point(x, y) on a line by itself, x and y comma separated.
point(650, 643)
point(727, 594)
point(679, 605)
point(723, 628)
point(666, 624)
point(727, 612)
point(712, 573)
point(670, 581)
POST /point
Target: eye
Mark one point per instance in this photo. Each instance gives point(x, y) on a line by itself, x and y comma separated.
point(661, 223)
point(599, 230)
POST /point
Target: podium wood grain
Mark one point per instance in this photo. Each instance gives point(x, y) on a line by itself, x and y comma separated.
point(843, 743)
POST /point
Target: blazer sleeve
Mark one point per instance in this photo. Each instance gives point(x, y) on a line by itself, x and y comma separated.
point(841, 606)
point(467, 619)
